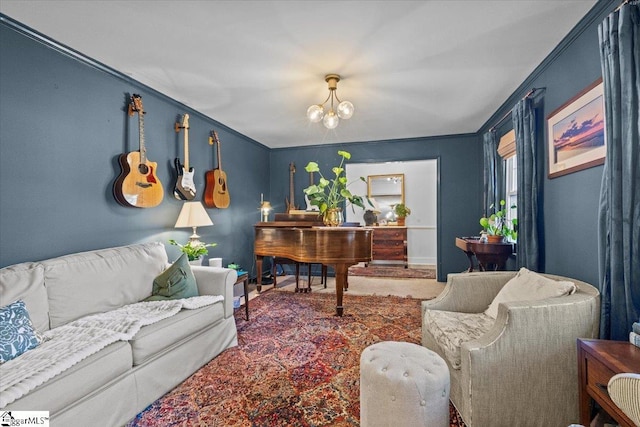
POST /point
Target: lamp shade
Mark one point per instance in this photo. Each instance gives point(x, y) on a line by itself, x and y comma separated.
point(193, 215)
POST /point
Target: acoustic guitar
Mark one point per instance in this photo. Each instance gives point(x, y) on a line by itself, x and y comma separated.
point(216, 193)
point(138, 185)
point(290, 202)
point(184, 189)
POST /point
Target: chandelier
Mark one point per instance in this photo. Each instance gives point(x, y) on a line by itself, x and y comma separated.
point(330, 119)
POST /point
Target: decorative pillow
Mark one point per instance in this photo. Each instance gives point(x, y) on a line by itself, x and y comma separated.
point(17, 334)
point(529, 286)
point(175, 282)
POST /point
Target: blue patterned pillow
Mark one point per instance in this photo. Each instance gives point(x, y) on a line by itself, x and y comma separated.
point(17, 333)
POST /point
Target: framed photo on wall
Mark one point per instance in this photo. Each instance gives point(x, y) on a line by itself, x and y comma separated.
point(576, 132)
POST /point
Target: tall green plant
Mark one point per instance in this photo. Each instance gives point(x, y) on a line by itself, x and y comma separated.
point(330, 193)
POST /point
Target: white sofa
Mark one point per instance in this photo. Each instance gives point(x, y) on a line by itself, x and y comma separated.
point(521, 368)
point(111, 386)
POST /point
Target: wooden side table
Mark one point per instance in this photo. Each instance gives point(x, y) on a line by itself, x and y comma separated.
point(243, 277)
point(598, 361)
point(490, 256)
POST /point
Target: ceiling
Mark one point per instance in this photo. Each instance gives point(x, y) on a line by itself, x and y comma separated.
point(411, 68)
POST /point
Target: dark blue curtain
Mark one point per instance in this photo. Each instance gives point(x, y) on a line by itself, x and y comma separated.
point(492, 169)
point(524, 125)
point(619, 216)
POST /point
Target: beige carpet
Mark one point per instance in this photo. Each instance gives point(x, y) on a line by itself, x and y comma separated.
point(358, 285)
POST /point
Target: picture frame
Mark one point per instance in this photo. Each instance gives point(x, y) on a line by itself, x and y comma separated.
point(576, 138)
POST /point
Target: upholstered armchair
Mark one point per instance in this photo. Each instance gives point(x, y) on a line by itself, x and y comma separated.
point(519, 369)
point(624, 390)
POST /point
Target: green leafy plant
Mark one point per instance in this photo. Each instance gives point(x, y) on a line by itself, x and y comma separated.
point(330, 193)
point(497, 224)
point(193, 252)
point(401, 210)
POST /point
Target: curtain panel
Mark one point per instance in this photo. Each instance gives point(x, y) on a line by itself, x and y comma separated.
point(524, 125)
point(619, 211)
point(492, 172)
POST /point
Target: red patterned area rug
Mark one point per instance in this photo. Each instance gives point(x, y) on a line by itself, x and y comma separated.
point(297, 364)
point(395, 272)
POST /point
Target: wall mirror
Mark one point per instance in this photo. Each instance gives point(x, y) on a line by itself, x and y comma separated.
point(386, 190)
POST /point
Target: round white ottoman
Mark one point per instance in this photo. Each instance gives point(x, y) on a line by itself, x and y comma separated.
point(403, 384)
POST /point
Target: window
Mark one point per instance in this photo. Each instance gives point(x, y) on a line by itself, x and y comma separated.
point(507, 150)
point(511, 185)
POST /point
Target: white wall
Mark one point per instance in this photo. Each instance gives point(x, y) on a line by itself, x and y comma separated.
point(421, 189)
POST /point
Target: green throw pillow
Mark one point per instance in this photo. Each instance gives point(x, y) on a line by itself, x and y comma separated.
point(175, 282)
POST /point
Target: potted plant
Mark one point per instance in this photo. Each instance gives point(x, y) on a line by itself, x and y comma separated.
point(402, 211)
point(329, 194)
point(498, 227)
point(194, 251)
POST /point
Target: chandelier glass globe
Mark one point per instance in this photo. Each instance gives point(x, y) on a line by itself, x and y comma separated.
point(331, 120)
point(345, 110)
point(315, 113)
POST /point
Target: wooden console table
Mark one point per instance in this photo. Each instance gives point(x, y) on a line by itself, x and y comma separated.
point(598, 361)
point(490, 256)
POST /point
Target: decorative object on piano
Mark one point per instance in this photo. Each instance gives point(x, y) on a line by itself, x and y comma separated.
point(216, 193)
point(193, 251)
point(193, 215)
point(370, 218)
point(290, 202)
point(330, 194)
point(345, 109)
point(138, 185)
point(498, 226)
point(265, 208)
point(184, 189)
point(402, 212)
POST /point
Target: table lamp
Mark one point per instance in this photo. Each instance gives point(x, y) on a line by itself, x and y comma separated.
point(193, 215)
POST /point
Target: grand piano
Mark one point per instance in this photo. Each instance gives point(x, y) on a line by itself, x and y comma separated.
point(302, 241)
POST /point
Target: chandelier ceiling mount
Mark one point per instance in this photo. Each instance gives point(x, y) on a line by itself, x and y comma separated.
point(332, 117)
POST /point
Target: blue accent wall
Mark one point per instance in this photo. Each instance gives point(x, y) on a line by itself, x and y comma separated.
point(569, 227)
point(460, 181)
point(63, 123)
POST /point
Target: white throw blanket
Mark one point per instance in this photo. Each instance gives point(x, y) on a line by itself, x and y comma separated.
point(77, 340)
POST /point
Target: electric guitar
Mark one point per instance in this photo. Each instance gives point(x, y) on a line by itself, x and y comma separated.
point(216, 193)
point(291, 205)
point(138, 185)
point(185, 188)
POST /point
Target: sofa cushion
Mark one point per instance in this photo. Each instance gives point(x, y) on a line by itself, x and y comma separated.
point(17, 334)
point(99, 281)
point(175, 282)
point(451, 329)
point(26, 282)
point(529, 286)
point(78, 381)
point(165, 334)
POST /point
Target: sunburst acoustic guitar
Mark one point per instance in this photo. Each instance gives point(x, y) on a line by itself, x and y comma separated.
point(216, 193)
point(185, 188)
point(138, 185)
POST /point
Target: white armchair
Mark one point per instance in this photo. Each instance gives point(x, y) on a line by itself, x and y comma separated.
point(519, 369)
point(624, 390)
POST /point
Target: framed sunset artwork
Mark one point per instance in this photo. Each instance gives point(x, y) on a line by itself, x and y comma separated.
point(576, 133)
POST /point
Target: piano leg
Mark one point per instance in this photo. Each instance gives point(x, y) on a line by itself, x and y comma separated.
point(341, 283)
point(259, 276)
